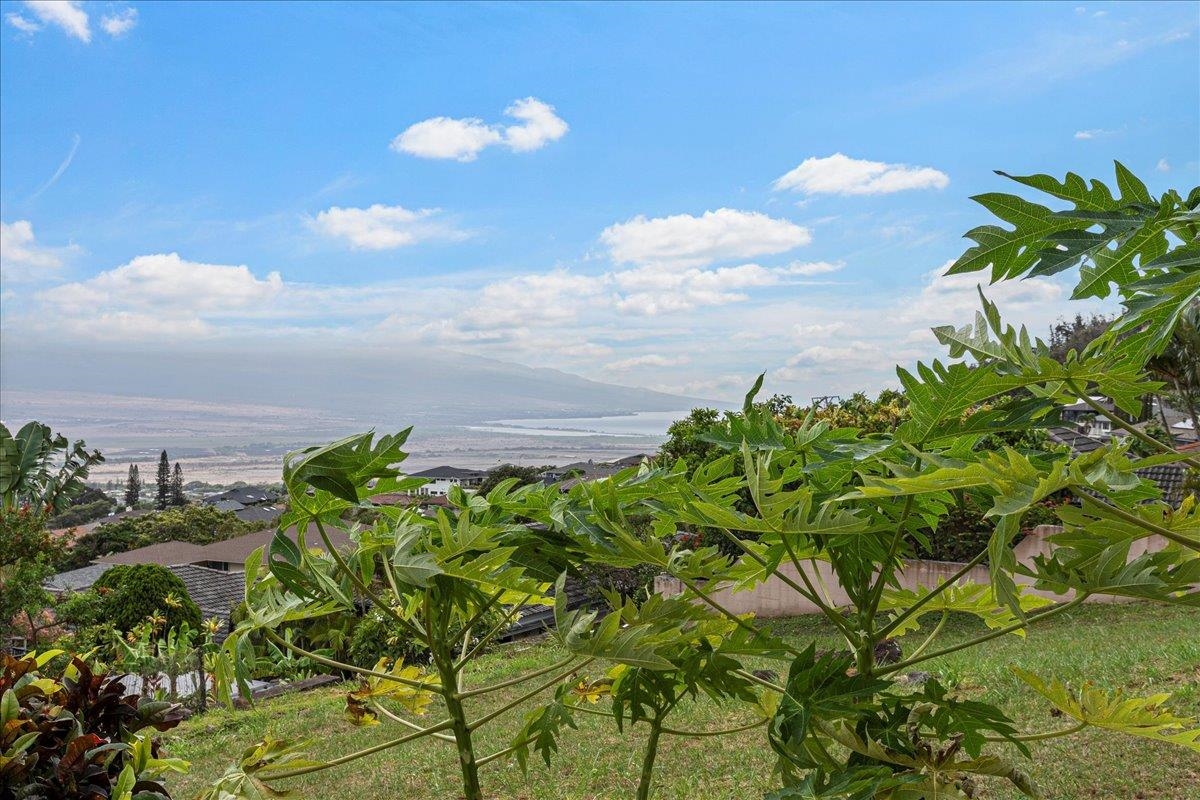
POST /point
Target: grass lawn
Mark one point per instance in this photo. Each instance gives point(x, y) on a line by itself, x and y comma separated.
point(1143, 648)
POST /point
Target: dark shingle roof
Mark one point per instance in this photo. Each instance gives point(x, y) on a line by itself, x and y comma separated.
point(267, 514)
point(246, 495)
point(1078, 442)
point(226, 505)
point(238, 549)
point(1169, 478)
point(214, 590)
point(76, 580)
point(165, 553)
point(449, 472)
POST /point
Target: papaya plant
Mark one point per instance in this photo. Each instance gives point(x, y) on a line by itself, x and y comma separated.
point(784, 498)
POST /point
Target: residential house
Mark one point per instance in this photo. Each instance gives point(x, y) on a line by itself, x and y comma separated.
point(440, 479)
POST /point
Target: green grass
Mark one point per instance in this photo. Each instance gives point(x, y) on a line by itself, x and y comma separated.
point(1143, 648)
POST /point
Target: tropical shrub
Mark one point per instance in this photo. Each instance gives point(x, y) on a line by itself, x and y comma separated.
point(841, 723)
point(79, 734)
point(136, 593)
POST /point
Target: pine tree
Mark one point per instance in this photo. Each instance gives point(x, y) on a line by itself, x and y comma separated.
point(162, 497)
point(133, 487)
point(177, 498)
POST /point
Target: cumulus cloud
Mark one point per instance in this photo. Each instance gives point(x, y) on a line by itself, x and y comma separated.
point(539, 125)
point(465, 138)
point(67, 15)
point(840, 174)
point(120, 22)
point(381, 227)
point(1163, 165)
point(955, 298)
point(648, 360)
point(167, 284)
point(684, 240)
point(530, 300)
point(22, 258)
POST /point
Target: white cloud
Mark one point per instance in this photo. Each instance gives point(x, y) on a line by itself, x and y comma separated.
point(539, 125)
point(818, 330)
point(381, 227)
point(840, 174)
point(648, 360)
point(167, 284)
point(22, 258)
point(464, 139)
point(1163, 165)
point(530, 300)
point(683, 240)
point(811, 268)
point(954, 299)
point(23, 24)
point(443, 137)
point(119, 23)
point(65, 14)
point(654, 289)
point(1093, 133)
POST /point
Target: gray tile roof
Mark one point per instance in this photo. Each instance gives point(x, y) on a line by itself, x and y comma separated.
point(1169, 478)
point(76, 580)
point(1078, 442)
point(214, 590)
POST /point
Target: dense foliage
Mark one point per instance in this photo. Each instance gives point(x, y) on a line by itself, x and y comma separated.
point(79, 734)
point(842, 724)
point(522, 475)
point(136, 593)
point(27, 556)
point(90, 504)
point(197, 524)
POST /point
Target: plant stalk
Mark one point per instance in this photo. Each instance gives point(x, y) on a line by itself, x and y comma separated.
point(651, 752)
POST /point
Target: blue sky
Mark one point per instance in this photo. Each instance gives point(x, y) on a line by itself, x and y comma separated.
point(670, 196)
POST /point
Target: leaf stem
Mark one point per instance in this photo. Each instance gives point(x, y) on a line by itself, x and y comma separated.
point(1134, 519)
point(1125, 426)
point(338, 665)
point(486, 718)
point(1037, 737)
point(292, 773)
point(1016, 626)
point(724, 732)
point(932, 635)
point(943, 586)
point(519, 679)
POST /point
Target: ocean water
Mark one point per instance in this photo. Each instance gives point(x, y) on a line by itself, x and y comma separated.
point(637, 424)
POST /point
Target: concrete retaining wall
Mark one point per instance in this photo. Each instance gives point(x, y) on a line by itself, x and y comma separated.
point(774, 598)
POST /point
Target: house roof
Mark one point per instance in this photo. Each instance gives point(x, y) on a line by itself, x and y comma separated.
point(164, 553)
point(214, 590)
point(267, 514)
point(1078, 442)
point(246, 495)
point(238, 549)
point(1169, 478)
point(76, 580)
point(449, 472)
point(226, 505)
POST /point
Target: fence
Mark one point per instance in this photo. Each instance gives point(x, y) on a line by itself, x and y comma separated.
point(774, 598)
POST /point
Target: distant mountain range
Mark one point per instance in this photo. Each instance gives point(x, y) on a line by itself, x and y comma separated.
point(318, 394)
